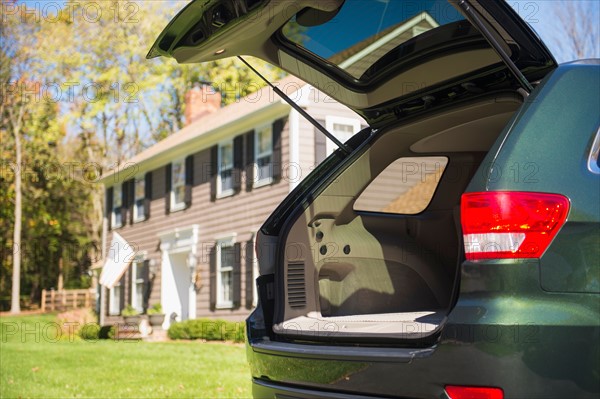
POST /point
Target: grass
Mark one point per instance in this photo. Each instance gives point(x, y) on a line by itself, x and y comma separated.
point(34, 364)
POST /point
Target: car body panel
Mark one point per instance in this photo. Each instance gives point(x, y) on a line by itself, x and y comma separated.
point(563, 113)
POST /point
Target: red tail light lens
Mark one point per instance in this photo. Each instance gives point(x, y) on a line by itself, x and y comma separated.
point(510, 224)
point(458, 392)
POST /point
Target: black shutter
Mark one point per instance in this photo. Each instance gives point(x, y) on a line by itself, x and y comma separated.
point(129, 281)
point(124, 202)
point(238, 162)
point(109, 205)
point(189, 179)
point(147, 194)
point(320, 144)
point(249, 252)
point(168, 176)
point(213, 278)
point(122, 296)
point(131, 197)
point(237, 275)
point(277, 167)
point(146, 276)
point(214, 159)
point(249, 160)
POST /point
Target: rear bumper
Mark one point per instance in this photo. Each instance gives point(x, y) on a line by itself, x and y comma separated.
point(563, 366)
point(546, 351)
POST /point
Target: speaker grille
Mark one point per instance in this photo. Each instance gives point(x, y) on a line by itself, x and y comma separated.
point(296, 286)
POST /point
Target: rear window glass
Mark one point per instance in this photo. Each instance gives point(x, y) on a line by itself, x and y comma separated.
point(363, 32)
point(405, 187)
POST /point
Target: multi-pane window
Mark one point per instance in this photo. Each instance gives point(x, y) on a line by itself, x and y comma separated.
point(139, 201)
point(117, 207)
point(225, 262)
point(263, 155)
point(225, 165)
point(114, 300)
point(342, 128)
point(137, 286)
point(178, 185)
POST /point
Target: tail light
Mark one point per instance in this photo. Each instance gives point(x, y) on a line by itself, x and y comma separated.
point(500, 224)
point(461, 392)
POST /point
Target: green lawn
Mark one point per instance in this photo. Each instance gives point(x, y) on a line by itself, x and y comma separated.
point(33, 366)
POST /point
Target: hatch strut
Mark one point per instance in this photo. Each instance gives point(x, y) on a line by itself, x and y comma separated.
point(302, 112)
point(474, 16)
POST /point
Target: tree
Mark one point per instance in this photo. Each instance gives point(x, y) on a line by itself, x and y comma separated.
point(577, 34)
point(123, 103)
point(14, 108)
point(48, 208)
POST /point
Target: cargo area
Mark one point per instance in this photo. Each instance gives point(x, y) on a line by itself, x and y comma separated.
point(377, 252)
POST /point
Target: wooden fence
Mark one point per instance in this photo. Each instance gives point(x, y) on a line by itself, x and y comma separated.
point(53, 300)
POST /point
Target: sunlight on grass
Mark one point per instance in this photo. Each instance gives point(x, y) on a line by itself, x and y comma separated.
point(33, 366)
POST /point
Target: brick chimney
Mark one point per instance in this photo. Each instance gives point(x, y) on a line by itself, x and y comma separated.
point(201, 101)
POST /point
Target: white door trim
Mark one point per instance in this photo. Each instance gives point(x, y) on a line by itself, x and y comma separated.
point(178, 241)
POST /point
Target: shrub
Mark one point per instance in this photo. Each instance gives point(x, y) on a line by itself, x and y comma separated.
point(178, 331)
point(90, 331)
point(208, 329)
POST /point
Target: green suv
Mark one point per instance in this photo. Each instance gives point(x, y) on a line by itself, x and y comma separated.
point(452, 248)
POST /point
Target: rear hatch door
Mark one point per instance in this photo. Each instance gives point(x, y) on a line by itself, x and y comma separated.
point(383, 59)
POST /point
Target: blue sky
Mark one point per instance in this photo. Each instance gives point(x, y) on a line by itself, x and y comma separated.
point(542, 17)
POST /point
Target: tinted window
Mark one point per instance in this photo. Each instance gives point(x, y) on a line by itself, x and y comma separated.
point(364, 31)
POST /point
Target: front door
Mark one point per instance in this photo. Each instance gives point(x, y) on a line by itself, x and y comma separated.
point(176, 283)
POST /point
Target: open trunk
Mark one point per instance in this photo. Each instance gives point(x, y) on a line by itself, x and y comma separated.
point(375, 253)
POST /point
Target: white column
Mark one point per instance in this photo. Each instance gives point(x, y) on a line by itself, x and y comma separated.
point(294, 168)
point(166, 297)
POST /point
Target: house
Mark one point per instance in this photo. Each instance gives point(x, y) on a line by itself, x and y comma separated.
point(181, 217)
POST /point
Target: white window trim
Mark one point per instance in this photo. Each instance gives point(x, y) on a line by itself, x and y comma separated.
point(223, 242)
point(330, 120)
point(266, 180)
point(113, 223)
point(220, 192)
point(111, 301)
point(134, 280)
point(174, 207)
point(139, 218)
